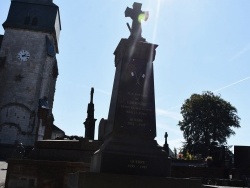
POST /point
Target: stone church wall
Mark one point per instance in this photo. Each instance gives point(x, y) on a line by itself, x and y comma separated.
point(23, 83)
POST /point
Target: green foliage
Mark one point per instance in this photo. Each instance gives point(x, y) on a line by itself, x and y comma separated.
point(188, 156)
point(206, 118)
point(185, 156)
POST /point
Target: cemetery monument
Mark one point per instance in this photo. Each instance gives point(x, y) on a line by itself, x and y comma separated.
point(129, 146)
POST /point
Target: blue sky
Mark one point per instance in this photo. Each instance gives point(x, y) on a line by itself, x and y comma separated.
point(203, 46)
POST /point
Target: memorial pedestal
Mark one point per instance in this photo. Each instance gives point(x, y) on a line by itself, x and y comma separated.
point(145, 159)
point(129, 147)
point(97, 180)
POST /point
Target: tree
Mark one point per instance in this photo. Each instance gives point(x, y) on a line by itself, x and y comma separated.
point(207, 118)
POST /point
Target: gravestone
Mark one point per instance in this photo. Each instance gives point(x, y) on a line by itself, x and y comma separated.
point(129, 146)
point(218, 155)
point(242, 163)
point(242, 156)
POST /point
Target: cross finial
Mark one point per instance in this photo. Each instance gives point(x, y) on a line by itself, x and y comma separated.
point(137, 15)
point(91, 95)
point(166, 137)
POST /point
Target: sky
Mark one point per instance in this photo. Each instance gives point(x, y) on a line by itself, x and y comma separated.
point(203, 46)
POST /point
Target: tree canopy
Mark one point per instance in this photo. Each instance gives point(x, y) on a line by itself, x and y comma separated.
point(207, 118)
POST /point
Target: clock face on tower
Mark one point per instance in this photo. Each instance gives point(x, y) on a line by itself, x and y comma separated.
point(23, 55)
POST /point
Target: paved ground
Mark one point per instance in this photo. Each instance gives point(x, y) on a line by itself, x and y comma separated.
point(3, 170)
point(224, 187)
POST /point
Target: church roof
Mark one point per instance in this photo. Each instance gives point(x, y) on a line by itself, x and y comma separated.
point(39, 16)
point(55, 128)
point(36, 15)
point(36, 1)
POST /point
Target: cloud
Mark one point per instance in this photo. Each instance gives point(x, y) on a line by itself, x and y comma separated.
point(174, 107)
point(171, 129)
point(240, 53)
point(103, 91)
point(169, 114)
point(177, 143)
point(229, 85)
point(172, 114)
point(88, 87)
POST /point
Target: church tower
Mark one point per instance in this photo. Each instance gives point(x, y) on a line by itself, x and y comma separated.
point(28, 70)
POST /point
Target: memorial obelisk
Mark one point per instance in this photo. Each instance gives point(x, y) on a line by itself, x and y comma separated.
point(129, 147)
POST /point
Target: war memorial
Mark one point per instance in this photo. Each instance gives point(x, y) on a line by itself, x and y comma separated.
point(126, 153)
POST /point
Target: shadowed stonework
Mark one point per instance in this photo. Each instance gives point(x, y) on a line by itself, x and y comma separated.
point(130, 147)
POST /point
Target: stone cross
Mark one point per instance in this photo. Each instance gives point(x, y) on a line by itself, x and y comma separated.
point(137, 15)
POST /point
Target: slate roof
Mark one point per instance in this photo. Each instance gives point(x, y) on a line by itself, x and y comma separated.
point(44, 13)
point(36, 1)
point(55, 128)
point(36, 15)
